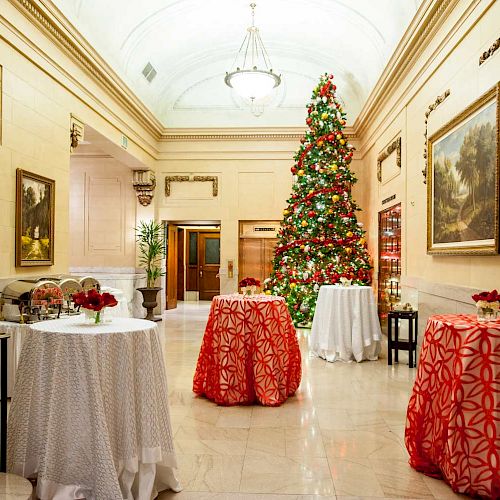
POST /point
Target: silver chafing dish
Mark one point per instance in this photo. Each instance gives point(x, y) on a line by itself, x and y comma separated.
point(30, 300)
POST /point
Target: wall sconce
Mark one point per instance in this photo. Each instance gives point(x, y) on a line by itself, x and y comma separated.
point(144, 183)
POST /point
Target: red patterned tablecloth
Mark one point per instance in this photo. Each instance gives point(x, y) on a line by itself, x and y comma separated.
point(453, 418)
point(249, 352)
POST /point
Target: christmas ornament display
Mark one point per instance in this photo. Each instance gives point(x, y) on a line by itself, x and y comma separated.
point(320, 239)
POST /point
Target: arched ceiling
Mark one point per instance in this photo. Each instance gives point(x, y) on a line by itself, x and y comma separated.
point(192, 43)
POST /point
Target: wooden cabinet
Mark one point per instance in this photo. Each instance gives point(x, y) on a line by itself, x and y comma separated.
point(389, 264)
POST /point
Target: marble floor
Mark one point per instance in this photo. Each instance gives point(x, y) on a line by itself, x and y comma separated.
point(340, 436)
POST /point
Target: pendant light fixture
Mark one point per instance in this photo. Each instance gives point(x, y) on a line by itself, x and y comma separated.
point(253, 77)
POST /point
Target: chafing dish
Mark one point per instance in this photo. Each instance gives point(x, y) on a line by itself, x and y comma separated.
point(36, 299)
point(30, 300)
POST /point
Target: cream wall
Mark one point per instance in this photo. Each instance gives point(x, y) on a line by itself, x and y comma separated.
point(450, 61)
point(102, 212)
point(254, 182)
point(42, 86)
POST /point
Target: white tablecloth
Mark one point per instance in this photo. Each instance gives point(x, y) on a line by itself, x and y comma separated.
point(345, 324)
point(17, 332)
point(90, 412)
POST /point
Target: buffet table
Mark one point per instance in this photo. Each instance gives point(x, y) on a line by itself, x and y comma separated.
point(345, 324)
point(249, 352)
point(452, 427)
point(89, 415)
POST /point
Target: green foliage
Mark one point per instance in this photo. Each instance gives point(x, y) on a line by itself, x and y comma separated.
point(151, 240)
point(320, 239)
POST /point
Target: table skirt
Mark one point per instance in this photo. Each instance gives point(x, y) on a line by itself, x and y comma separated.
point(90, 417)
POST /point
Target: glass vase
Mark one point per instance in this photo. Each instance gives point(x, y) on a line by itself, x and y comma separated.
point(486, 314)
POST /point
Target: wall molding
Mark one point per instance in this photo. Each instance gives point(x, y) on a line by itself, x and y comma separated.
point(196, 178)
point(393, 146)
point(488, 53)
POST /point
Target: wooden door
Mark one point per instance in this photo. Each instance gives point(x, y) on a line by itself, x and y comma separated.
point(180, 264)
point(209, 264)
point(171, 267)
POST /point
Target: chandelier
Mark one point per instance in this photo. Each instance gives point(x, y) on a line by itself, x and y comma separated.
point(254, 78)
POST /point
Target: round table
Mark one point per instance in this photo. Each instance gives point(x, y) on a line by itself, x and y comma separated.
point(452, 426)
point(89, 414)
point(249, 352)
point(345, 325)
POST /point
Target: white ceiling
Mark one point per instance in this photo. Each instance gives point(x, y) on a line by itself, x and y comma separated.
point(192, 43)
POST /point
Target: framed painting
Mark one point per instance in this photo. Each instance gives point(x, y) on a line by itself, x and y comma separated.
point(463, 181)
point(34, 219)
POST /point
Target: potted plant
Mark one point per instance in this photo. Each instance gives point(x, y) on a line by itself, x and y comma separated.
point(151, 242)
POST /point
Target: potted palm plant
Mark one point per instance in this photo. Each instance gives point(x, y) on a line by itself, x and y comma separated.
point(151, 242)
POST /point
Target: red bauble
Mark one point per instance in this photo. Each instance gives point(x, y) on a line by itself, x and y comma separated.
point(294, 196)
point(294, 171)
point(296, 306)
point(330, 76)
point(338, 176)
point(330, 225)
point(335, 87)
point(311, 213)
point(309, 121)
point(308, 257)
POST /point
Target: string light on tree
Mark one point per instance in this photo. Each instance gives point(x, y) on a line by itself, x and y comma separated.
point(320, 239)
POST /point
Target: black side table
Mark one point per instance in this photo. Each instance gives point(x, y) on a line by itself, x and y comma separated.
point(411, 344)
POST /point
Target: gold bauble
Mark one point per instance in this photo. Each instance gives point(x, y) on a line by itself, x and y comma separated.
point(285, 212)
point(268, 292)
point(342, 141)
point(335, 198)
point(293, 285)
point(324, 116)
point(349, 234)
point(339, 136)
point(320, 143)
point(362, 241)
point(348, 250)
point(300, 172)
point(334, 167)
point(303, 223)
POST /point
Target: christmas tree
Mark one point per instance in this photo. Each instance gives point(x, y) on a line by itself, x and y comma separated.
point(320, 239)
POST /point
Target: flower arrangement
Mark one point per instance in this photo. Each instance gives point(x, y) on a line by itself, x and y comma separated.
point(94, 301)
point(249, 285)
point(488, 305)
point(47, 296)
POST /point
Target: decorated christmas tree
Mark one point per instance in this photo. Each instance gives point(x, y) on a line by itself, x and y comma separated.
point(320, 239)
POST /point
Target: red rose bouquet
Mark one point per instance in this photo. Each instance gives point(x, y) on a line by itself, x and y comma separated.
point(249, 285)
point(94, 301)
point(488, 305)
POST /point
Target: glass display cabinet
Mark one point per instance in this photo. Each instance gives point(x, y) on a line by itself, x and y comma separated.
point(389, 264)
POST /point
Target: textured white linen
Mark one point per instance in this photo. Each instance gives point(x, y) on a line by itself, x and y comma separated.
point(345, 324)
point(90, 412)
point(17, 332)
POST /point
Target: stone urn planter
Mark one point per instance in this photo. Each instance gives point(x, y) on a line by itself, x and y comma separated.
point(149, 301)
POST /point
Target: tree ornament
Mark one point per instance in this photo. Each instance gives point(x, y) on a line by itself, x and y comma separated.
point(349, 234)
point(348, 250)
point(334, 167)
point(300, 173)
point(285, 212)
point(335, 198)
point(304, 223)
point(339, 136)
point(309, 121)
point(293, 285)
point(342, 141)
point(324, 115)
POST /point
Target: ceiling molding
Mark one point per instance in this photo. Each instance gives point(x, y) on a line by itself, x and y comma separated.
point(54, 24)
point(240, 134)
point(45, 15)
point(429, 17)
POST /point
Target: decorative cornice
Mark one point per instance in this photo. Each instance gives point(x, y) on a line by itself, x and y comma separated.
point(488, 53)
point(429, 18)
point(196, 178)
point(394, 146)
point(430, 109)
point(241, 134)
point(50, 20)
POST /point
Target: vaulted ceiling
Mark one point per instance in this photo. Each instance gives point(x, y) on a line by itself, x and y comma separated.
point(192, 43)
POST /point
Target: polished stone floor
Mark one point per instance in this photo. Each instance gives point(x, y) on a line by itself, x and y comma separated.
point(340, 436)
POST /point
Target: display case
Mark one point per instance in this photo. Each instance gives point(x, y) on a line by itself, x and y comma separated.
point(389, 264)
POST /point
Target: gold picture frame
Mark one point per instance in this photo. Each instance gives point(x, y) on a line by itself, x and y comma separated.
point(463, 181)
point(35, 219)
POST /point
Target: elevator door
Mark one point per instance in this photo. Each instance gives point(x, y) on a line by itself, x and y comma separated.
point(256, 257)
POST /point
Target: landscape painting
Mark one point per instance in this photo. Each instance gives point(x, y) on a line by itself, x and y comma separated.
point(464, 182)
point(34, 220)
